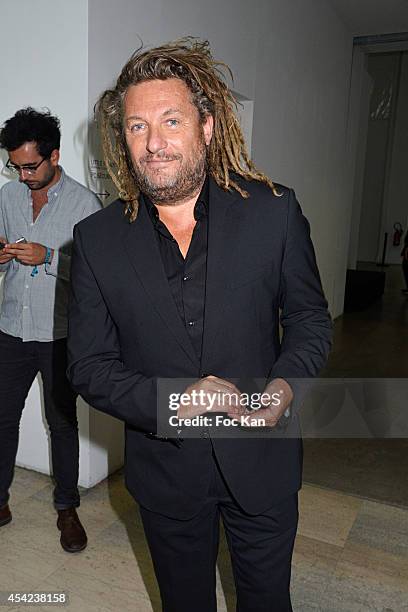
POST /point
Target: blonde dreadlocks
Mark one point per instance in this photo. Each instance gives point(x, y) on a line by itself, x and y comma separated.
point(189, 60)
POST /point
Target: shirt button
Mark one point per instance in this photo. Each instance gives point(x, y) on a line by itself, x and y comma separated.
point(27, 286)
point(191, 323)
point(25, 307)
point(205, 434)
point(185, 278)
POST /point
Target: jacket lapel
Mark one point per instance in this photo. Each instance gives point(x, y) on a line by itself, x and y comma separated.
point(225, 213)
point(141, 246)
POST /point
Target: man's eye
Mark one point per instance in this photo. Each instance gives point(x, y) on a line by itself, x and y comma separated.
point(136, 127)
point(172, 122)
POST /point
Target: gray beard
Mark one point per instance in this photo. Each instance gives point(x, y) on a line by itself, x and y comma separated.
point(183, 185)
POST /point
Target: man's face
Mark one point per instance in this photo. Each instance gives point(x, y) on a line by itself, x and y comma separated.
point(28, 155)
point(166, 139)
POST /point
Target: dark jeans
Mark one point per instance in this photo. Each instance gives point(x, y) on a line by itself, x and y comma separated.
point(20, 362)
point(184, 553)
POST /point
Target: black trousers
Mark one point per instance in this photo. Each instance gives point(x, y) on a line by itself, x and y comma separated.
point(20, 362)
point(184, 553)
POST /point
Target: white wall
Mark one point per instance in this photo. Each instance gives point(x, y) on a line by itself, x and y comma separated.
point(116, 29)
point(300, 122)
point(383, 68)
point(361, 86)
point(44, 63)
point(396, 195)
point(293, 62)
point(368, 17)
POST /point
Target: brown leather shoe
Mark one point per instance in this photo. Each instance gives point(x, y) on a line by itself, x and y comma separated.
point(73, 537)
point(5, 515)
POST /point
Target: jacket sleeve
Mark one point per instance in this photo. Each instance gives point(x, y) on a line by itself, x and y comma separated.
point(95, 367)
point(305, 320)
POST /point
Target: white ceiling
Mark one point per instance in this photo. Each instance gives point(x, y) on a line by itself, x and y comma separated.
point(365, 17)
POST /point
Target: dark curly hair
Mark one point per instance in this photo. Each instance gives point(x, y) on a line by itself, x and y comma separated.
point(29, 125)
point(191, 61)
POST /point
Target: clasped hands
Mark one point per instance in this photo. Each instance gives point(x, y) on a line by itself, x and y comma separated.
point(219, 395)
point(28, 253)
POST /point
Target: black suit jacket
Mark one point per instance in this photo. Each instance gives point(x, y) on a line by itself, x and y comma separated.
point(125, 332)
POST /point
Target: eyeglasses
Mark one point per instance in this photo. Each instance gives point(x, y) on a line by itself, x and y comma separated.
point(30, 169)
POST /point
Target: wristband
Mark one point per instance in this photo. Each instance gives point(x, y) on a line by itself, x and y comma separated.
point(47, 259)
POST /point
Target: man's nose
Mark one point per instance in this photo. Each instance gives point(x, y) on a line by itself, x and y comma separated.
point(155, 140)
point(23, 174)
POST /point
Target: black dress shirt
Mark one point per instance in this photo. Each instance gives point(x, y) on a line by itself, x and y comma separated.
point(186, 276)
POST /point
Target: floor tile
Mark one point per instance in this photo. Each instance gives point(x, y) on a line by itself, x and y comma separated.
point(326, 515)
point(34, 527)
point(382, 527)
point(368, 579)
point(23, 568)
point(101, 584)
point(350, 554)
point(314, 564)
point(25, 484)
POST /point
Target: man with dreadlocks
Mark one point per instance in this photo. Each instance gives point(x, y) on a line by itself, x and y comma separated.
point(183, 278)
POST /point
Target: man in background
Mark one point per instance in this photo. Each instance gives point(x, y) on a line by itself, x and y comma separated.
point(185, 278)
point(37, 216)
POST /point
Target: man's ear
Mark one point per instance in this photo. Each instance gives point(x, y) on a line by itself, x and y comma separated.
point(208, 126)
point(54, 157)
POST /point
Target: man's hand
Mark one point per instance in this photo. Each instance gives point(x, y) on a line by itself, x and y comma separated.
point(29, 253)
point(4, 257)
point(209, 394)
point(276, 398)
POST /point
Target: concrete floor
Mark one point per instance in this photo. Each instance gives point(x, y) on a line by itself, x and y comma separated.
point(351, 554)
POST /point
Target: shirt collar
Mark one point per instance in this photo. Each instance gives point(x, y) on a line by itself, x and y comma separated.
point(200, 208)
point(55, 189)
